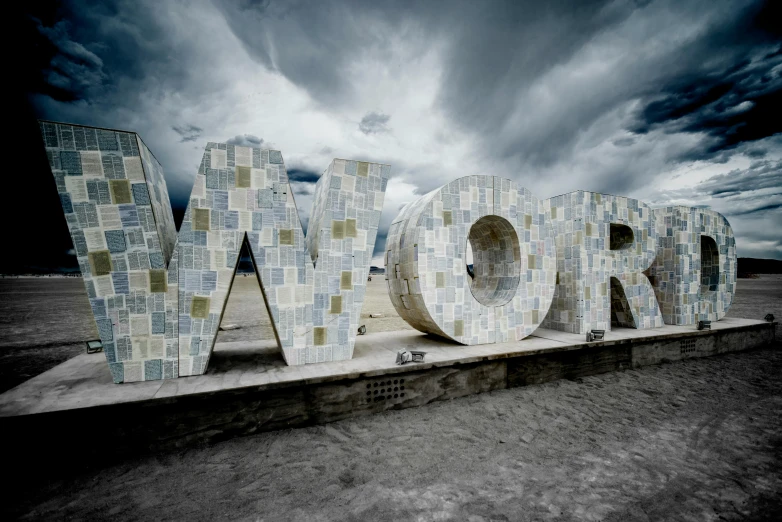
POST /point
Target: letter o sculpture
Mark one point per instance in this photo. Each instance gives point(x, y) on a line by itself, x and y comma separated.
point(514, 261)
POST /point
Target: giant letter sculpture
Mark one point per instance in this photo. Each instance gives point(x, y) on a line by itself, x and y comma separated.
point(158, 306)
point(514, 261)
point(314, 292)
point(575, 262)
point(118, 212)
point(695, 271)
point(605, 247)
point(604, 244)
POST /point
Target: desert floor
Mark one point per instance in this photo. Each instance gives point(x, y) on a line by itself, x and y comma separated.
point(693, 440)
point(45, 320)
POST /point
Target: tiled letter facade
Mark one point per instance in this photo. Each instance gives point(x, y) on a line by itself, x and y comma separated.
point(119, 215)
point(514, 261)
point(604, 244)
point(314, 287)
point(575, 262)
point(695, 271)
point(158, 302)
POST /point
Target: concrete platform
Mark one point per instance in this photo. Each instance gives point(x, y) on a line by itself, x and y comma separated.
point(249, 389)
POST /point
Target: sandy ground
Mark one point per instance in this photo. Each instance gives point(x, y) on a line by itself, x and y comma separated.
point(754, 299)
point(245, 308)
point(43, 323)
point(34, 337)
point(694, 440)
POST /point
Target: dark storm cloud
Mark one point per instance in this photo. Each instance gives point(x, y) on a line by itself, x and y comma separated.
point(755, 190)
point(715, 84)
point(536, 87)
point(732, 100)
point(756, 153)
point(245, 140)
point(493, 49)
point(502, 51)
point(188, 132)
point(73, 72)
point(303, 176)
point(104, 53)
point(764, 208)
point(760, 175)
point(732, 90)
point(380, 243)
point(145, 62)
point(374, 123)
point(496, 54)
point(750, 198)
point(493, 54)
point(624, 142)
point(313, 43)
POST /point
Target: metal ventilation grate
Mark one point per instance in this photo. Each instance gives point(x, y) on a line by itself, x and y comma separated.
point(687, 346)
point(388, 390)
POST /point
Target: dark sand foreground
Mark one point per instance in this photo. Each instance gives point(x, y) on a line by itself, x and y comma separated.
point(693, 440)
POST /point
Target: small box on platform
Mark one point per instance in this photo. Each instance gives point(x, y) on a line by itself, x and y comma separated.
point(405, 356)
point(94, 346)
point(595, 335)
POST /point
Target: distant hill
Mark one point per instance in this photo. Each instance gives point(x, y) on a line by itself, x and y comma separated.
point(750, 265)
point(377, 270)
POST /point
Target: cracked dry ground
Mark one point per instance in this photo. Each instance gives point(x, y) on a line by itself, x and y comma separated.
point(692, 440)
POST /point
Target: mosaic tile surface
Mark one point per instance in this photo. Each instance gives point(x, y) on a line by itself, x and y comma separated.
point(590, 275)
point(573, 263)
point(513, 255)
point(158, 298)
point(314, 286)
point(113, 194)
point(694, 274)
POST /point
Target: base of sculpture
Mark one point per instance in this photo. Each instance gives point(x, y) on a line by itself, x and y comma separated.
point(74, 414)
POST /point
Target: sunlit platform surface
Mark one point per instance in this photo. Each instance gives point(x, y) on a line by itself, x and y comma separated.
point(248, 387)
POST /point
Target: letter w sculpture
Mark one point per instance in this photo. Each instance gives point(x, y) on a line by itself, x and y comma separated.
point(158, 299)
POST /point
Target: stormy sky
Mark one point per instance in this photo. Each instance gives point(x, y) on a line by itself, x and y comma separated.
point(670, 102)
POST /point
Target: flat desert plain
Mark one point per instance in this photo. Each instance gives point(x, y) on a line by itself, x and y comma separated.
point(45, 320)
point(692, 440)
